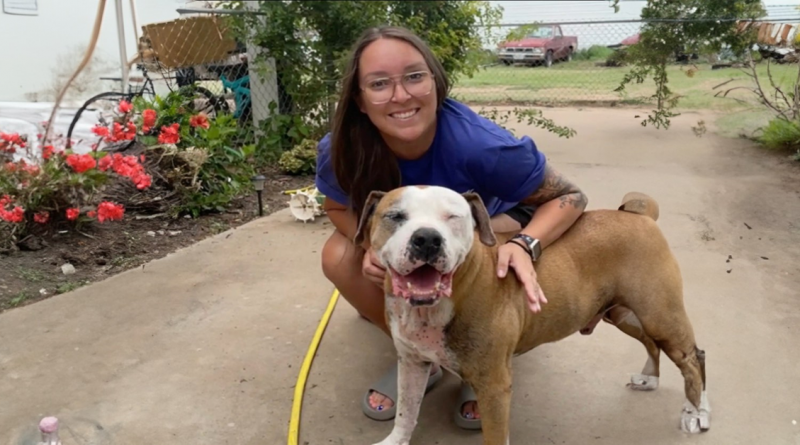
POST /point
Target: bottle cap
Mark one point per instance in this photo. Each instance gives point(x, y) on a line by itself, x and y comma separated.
point(48, 425)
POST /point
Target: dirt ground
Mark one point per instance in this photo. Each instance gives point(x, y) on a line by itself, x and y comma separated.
point(205, 345)
point(27, 276)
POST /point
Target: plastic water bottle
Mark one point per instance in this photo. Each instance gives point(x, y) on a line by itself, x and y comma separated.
point(49, 429)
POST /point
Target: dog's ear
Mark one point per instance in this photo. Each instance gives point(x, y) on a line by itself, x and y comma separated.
point(366, 215)
point(481, 217)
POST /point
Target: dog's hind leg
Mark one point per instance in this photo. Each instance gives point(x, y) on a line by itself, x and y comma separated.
point(627, 322)
point(696, 414)
point(672, 332)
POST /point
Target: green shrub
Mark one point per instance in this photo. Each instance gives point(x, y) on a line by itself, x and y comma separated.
point(618, 58)
point(205, 159)
point(594, 52)
point(782, 134)
point(300, 160)
point(59, 188)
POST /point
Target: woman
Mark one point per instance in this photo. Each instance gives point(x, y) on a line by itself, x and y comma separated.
point(394, 125)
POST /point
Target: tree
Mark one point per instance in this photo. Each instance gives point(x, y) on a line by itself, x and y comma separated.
point(85, 85)
point(691, 27)
point(309, 40)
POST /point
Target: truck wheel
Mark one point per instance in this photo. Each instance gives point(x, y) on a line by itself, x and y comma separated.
point(569, 56)
point(548, 59)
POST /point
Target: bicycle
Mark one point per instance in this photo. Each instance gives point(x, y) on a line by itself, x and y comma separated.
point(214, 103)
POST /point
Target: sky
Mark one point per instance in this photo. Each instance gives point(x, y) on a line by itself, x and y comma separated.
point(31, 44)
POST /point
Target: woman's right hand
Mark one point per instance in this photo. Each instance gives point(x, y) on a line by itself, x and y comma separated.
point(372, 269)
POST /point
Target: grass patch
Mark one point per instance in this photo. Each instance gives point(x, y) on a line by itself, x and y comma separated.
point(69, 286)
point(19, 299)
point(583, 81)
point(743, 123)
point(31, 275)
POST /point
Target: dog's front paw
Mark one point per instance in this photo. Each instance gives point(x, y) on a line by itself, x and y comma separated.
point(695, 420)
point(641, 382)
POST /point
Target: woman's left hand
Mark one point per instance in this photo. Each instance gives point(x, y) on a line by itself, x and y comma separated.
point(516, 257)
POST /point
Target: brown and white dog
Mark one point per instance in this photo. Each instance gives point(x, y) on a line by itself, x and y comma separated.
point(445, 304)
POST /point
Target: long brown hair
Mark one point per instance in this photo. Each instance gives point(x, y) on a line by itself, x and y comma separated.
point(362, 161)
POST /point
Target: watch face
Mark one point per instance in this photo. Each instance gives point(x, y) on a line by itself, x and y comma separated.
point(536, 248)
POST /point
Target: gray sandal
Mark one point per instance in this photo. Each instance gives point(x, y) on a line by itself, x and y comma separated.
point(387, 385)
point(466, 395)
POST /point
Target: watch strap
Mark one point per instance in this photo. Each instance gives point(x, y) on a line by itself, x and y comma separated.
point(529, 243)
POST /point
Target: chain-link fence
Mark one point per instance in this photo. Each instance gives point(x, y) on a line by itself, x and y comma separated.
point(584, 63)
point(555, 63)
point(565, 63)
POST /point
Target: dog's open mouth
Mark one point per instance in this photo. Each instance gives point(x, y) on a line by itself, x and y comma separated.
point(422, 286)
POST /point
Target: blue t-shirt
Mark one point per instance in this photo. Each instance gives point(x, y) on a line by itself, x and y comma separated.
point(469, 152)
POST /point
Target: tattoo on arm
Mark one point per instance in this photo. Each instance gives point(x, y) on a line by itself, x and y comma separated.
point(556, 186)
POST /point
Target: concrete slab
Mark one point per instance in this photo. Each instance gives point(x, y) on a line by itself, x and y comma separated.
point(205, 345)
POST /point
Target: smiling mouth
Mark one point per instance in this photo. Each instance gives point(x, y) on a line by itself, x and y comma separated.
point(422, 286)
point(405, 115)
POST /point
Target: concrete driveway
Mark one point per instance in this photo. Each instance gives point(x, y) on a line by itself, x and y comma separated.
point(204, 346)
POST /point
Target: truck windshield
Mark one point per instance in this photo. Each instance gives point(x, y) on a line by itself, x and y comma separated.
point(542, 33)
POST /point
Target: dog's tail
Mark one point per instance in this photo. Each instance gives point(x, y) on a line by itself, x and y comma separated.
point(640, 203)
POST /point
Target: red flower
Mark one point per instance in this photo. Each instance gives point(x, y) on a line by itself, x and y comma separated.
point(141, 180)
point(127, 166)
point(105, 162)
point(10, 142)
point(31, 169)
point(148, 119)
point(120, 133)
point(41, 217)
point(81, 163)
point(91, 213)
point(73, 213)
point(109, 211)
point(125, 106)
point(199, 120)
point(169, 135)
point(16, 215)
point(100, 131)
point(47, 152)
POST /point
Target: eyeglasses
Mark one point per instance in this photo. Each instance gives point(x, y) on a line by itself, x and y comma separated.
point(417, 84)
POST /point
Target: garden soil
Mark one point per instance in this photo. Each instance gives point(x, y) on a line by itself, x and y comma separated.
point(35, 272)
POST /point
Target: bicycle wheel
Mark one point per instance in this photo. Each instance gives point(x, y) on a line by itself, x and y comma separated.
point(104, 102)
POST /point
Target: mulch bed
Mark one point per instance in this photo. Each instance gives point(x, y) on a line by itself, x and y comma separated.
point(32, 275)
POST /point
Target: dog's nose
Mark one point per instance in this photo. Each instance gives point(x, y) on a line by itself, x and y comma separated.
point(426, 244)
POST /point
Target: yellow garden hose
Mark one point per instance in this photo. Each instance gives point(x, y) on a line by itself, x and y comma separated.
point(297, 403)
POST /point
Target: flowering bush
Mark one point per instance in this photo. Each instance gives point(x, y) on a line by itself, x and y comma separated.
point(201, 164)
point(205, 158)
point(60, 186)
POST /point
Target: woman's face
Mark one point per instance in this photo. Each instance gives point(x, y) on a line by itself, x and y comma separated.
point(389, 69)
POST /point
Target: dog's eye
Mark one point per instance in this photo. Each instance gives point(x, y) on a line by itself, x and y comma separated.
point(452, 216)
point(395, 216)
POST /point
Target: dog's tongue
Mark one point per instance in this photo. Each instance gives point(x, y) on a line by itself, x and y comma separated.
point(421, 281)
point(424, 278)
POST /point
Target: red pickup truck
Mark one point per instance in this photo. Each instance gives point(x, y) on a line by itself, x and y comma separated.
point(545, 44)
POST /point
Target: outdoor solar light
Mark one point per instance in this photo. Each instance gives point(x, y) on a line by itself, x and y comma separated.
point(258, 183)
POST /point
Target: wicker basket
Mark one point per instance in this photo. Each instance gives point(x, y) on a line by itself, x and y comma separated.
point(186, 42)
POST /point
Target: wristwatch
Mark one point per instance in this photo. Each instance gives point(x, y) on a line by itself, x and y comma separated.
point(530, 244)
